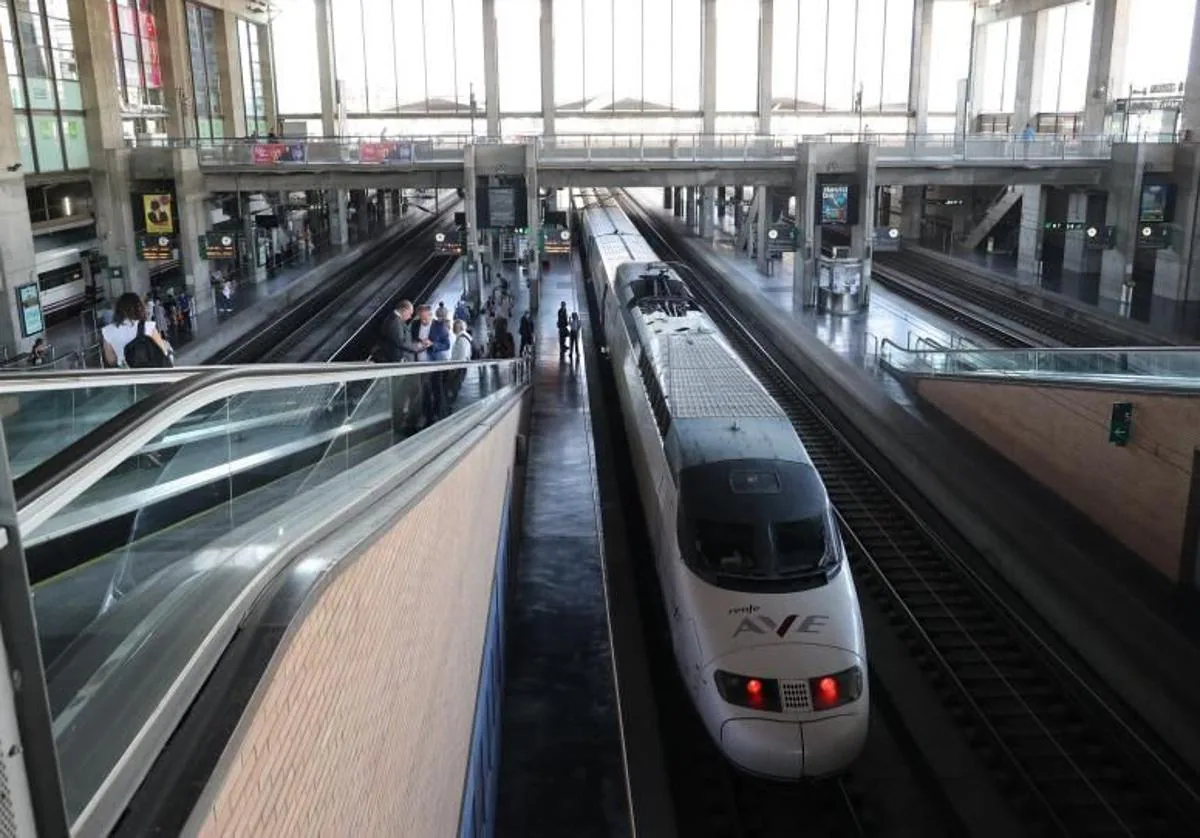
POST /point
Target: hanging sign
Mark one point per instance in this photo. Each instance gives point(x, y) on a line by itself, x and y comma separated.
point(30, 303)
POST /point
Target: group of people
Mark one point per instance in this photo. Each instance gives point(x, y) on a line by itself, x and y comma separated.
point(569, 328)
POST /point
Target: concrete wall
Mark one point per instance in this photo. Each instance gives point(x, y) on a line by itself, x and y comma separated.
point(363, 725)
point(1138, 493)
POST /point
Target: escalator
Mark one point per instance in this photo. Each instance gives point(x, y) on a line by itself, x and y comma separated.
point(176, 500)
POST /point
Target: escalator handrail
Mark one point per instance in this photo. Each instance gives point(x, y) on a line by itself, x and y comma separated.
point(51, 485)
point(81, 379)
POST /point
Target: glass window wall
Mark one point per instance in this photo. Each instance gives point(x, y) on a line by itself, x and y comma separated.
point(254, 100)
point(1068, 39)
point(1159, 45)
point(206, 71)
point(294, 30)
point(737, 56)
point(518, 47)
point(950, 59)
point(135, 48)
point(43, 79)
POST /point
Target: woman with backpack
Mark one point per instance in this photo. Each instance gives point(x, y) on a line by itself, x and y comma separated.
point(131, 340)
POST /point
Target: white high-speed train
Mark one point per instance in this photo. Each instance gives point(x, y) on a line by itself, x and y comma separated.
point(762, 607)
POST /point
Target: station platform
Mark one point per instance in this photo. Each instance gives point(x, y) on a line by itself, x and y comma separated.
point(1074, 575)
point(561, 766)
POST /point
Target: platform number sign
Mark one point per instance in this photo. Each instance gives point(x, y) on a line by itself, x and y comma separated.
point(1120, 426)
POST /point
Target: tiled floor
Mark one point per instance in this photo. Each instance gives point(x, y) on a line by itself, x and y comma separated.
point(561, 770)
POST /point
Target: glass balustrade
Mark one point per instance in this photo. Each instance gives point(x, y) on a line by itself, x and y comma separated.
point(140, 566)
point(1175, 368)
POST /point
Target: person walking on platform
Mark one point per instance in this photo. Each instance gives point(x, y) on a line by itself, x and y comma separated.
point(575, 326)
point(442, 312)
point(563, 329)
point(525, 329)
point(461, 312)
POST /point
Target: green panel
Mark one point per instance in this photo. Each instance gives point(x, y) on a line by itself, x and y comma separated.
point(17, 90)
point(69, 96)
point(24, 142)
point(41, 94)
point(49, 146)
point(75, 140)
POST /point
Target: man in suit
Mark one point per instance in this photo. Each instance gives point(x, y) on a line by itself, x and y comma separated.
point(399, 344)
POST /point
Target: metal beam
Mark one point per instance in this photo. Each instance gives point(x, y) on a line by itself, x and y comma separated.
point(708, 66)
point(919, 63)
point(986, 14)
point(766, 41)
point(491, 68)
point(547, 49)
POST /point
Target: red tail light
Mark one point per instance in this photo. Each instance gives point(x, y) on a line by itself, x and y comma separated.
point(834, 690)
point(744, 691)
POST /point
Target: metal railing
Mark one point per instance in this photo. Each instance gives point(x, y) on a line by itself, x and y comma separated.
point(643, 147)
point(1175, 368)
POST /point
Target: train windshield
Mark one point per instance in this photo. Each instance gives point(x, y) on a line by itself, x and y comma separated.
point(762, 526)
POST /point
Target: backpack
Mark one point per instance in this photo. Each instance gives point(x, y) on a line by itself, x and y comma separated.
point(143, 353)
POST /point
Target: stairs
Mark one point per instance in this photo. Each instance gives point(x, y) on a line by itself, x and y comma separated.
point(999, 207)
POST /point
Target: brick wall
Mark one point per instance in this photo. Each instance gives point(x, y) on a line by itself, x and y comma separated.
point(364, 723)
point(1138, 493)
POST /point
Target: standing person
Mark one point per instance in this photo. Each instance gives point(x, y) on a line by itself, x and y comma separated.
point(461, 312)
point(397, 343)
point(525, 329)
point(441, 337)
point(130, 330)
point(460, 351)
point(502, 341)
point(441, 313)
point(575, 326)
point(424, 333)
point(563, 325)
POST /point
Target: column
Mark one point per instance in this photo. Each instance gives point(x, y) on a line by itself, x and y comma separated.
point(339, 232)
point(328, 80)
point(229, 59)
point(862, 234)
point(668, 194)
point(689, 208)
point(107, 155)
point(1033, 214)
point(17, 261)
point(677, 203)
point(739, 214)
point(491, 68)
point(707, 199)
point(980, 43)
point(266, 60)
point(1176, 298)
point(471, 212)
point(912, 213)
point(1030, 66)
point(1078, 257)
point(762, 223)
point(722, 199)
point(708, 67)
point(251, 270)
point(1106, 65)
point(534, 267)
point(362, 215)
point(1124, 202)
point(766, 41)
point(808, 241)
point(174, 57)
point(192, 220)
point(918, 78)
point(1191, 89)
point(547, 47)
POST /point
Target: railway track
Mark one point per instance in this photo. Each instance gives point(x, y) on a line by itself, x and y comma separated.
point(296, 335)
point(1065, 758)
point(905, 274)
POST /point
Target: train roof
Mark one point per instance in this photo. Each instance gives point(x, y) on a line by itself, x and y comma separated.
point(703, 380)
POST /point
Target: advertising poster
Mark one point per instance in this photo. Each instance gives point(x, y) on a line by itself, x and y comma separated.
point(835, 200)
point(278, 153)
point(157, 209)
point(30, 303)
point(385, 152)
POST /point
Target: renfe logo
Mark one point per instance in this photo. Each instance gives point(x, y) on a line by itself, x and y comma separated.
point(761, 624)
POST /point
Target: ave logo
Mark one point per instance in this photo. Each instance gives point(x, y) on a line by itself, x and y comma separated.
point(762, 624)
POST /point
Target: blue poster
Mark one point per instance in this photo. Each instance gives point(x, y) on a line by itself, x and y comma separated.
point(30, 303)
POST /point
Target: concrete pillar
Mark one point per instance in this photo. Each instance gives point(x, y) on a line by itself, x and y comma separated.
point(1078, 257)
point(981, 42)
point(722, 192)
point(112, 203)
point(175, 65)
point(251, 269)
point(534, 268)
point(326, 74)
point(17, 261)
point(912, 213)
point(339, 232)
point(919, 62)
point(1106, 65)
point(677, 201)
point(229, 58)
point(266, 60)
point(491, 68)
point(808, 232)
point(668, 194)
point(362, 215)
point(689, 204)
point(762, 204)
point(862, 234)
point(1124, 204)
point(1030, 69)
point(1033, 214)
point(192, 219)
point(739, 213)
point(707, 199)
point(547, 48)
point(1191, 89)
point(471, 211)
point(1176, 298)
point(708, 67)
point(766, 40)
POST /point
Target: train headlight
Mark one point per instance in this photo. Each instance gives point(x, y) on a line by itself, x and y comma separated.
point(747, 691)
point(834, 690)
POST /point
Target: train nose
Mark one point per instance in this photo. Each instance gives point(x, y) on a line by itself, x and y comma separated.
point(762, 746)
